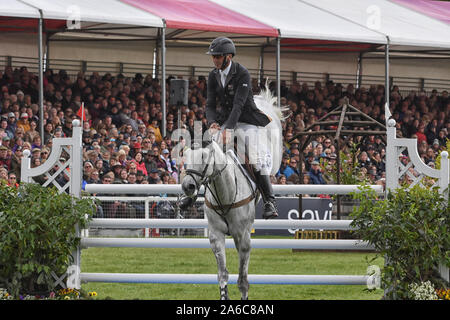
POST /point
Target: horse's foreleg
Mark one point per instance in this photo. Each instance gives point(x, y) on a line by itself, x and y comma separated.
point(244, 260)
point(217, 241)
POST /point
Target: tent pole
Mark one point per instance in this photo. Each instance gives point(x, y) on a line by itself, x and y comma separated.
point(386, 74)
point(163, 76)
point(41, 76)
point(278, 73)
point(47, 51)
point(261, 68)
point(359, 72)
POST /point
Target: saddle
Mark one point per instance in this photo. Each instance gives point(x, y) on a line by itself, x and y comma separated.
point(246, 169)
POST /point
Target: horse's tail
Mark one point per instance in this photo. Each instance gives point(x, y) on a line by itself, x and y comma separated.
point(267, 103)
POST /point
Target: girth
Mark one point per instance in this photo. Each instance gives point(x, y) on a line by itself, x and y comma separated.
point(230, 206)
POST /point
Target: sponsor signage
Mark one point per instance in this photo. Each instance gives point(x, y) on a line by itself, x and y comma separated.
point(313, 209)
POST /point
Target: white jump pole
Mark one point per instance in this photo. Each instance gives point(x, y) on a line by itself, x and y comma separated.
point(212, 279)
point(152, 189)
point(185, 243)
point(203, 223)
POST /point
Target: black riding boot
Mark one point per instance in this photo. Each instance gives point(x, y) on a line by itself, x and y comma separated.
point(265, 186)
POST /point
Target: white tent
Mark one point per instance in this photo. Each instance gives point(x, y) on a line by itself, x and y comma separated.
point(295, 19)
point(402, 25)
point(364, 21)
point(98, 11)
point(14, 8)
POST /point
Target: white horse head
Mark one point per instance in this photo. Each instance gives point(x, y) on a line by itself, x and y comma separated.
point(203, 161)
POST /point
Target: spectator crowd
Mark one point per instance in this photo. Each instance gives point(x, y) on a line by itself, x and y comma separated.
point(123, 140)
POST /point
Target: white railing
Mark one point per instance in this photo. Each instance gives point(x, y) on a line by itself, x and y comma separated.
point(203, 223)
point(176, 189)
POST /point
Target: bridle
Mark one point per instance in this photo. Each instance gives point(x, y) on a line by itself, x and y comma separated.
point(203, 178)
point(207, 181)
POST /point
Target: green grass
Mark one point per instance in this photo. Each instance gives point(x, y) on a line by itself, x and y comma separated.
point(262, 261)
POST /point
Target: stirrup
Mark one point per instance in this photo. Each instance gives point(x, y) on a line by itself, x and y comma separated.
point(270, 211)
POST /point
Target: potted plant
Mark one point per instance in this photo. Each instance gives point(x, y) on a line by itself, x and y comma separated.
point(410, 228)
point(38, 236)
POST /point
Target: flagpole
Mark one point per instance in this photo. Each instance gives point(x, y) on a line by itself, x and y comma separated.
point(82, 114)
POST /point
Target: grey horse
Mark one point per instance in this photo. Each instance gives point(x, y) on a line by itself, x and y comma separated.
point(230, 195)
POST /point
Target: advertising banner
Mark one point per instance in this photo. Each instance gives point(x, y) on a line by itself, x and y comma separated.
point(288, 208)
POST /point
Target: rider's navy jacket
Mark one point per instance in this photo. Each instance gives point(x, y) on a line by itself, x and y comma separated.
point(234, 102)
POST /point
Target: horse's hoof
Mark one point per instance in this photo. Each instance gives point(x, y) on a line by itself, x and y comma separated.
point(185, 203)
point(273, 215)
point(270, 211)
point(224, 293)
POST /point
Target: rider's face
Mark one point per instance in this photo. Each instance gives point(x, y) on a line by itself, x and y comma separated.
point(218, 60)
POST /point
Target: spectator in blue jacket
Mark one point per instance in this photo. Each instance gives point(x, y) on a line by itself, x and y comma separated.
point(290, 169)
point(315, 174)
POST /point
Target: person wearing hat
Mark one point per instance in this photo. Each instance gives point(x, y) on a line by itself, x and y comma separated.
point(16, 161)
point(5, 159)
point(229, 83)
point(12, 125)
point(436, 146)
point(23, 122)
point(166, 163)
point(45, 153)
point(35, 153)
point(309, 158)
point(137, 148)
point(315, 174)
point(6, 141)
point(20, 98)
point(139, 177)
point(153, 177)
point(149, 160)
point(116, 168)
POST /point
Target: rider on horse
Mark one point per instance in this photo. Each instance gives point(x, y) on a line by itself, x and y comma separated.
point(229, 86)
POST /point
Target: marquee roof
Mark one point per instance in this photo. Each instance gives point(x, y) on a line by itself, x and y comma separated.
point(402, 25)
point(203, 15)
point(436, 9)
point(351, 25)
point(60, 13)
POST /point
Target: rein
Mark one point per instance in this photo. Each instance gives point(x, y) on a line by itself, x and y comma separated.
point(220, 209)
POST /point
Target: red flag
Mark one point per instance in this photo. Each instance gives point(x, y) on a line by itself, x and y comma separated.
point(81, 112)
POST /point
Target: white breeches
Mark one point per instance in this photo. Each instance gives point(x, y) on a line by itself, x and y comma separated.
point(255, 142)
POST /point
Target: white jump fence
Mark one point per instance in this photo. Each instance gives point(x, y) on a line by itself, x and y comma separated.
point(303, 244)
point(395, 172)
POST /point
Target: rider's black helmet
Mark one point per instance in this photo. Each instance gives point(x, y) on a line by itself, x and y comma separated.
point(222, 46)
